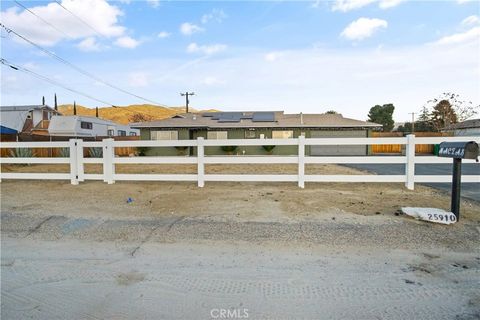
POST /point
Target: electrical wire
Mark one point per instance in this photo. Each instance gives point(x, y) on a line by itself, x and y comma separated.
point(78, 69)
point(40, 18)
point(47, 79)
point(78, 18)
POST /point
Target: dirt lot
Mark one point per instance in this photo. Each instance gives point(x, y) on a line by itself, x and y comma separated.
point(217, 200)
point(331, 250)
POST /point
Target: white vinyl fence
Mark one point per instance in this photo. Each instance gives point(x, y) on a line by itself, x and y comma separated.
point(109, 160)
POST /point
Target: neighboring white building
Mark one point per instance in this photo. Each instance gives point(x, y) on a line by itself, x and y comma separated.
point(83, 126)
point(25, 119)
point(465, 128)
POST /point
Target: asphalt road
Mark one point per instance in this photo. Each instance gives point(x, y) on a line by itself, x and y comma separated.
point(469, 190)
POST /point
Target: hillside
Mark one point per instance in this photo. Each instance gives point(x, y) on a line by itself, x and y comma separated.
point(126, 114)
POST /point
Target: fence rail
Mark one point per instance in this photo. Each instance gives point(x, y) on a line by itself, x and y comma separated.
point(109, 160)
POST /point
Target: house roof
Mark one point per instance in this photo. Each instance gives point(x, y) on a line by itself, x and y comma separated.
point(473, 123)
point(249, 119)
point(25, 108)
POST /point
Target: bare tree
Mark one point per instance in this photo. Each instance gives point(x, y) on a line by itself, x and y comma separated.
point(462, 109)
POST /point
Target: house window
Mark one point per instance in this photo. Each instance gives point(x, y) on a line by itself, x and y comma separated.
point(286, 134)
point(217, 135)
point(110, 132)
point(122, 133)
point(164, 135)
point(132, 134)
point(86, 125)
point(250, 134)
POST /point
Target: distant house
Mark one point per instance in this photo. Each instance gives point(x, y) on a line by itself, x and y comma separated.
point(258, 125)
point(83, 126)
point(31, 120)
point(465, 128)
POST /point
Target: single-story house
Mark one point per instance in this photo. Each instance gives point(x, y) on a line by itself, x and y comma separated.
point(257, 125)
point(465, 128)
point(84, 126)
point(32, 119)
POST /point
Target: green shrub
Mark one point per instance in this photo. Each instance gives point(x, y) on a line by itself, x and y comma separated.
point(95, 152)
point(229, 149)
point(268, 148)
point(22, 153)
point(181, 150)
point(142, 151)
point(64, 153)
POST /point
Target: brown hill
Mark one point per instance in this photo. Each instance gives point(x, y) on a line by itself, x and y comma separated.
point(127, 114)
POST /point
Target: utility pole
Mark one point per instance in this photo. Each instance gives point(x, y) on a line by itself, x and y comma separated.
point(186, 94)
point(413, 121)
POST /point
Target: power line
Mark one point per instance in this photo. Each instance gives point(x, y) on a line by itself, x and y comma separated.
point(187, 101)
point(44, 78)
point(80, 19)
point(78, 69)
point(40, 18)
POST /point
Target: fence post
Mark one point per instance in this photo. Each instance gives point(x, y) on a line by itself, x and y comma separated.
point(410, 165)
point(72, 144)
point(108, 165)
point(200, 163)
point(80, 166)
point(301, 161)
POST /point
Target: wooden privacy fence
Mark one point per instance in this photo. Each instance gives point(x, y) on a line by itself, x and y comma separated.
point(397, 148)
point(58, 152)
point(109, 160)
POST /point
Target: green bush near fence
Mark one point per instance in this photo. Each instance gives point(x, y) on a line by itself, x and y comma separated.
point(95, 152)
point(22, 153)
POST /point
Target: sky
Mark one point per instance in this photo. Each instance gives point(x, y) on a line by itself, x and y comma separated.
point(296, 56)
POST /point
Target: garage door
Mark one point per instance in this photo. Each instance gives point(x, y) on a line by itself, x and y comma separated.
point(343, 150)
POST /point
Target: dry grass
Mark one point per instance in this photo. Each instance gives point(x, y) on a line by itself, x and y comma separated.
point(123, 114)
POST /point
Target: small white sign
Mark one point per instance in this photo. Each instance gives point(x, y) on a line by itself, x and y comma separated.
point(431, 214)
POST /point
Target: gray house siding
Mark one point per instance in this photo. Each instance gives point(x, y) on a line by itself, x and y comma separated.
point(185, 134)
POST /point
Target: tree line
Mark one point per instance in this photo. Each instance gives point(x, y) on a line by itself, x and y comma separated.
point(437, 114)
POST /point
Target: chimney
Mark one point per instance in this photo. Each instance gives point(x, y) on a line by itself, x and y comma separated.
point(74, 108)
point(43, 100)
point(301, 117)
point(96, 112)
point(55, 102)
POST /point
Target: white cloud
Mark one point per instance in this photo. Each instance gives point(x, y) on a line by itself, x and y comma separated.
point(127, 42)
point(471, 20)
point(216, 15)
point(138, 79)
point(206, 49)
point(363, 28)
point(472, 35)
point(89, 44)
point(99, 14)
point(154, 3)
point(164, 34)
point(385, 4)
point(272, 56)
point(348, 5)
point(188, 28)
point(212, 81)
point(464, 1)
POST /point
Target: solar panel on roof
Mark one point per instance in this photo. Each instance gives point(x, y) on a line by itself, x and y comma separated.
point(263, 117)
